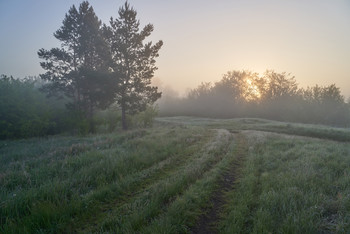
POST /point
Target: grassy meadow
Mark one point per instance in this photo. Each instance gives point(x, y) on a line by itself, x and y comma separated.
point(184, 175)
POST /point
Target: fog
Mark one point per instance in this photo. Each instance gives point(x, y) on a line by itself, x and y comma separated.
point(270, 95)
point(309, 38)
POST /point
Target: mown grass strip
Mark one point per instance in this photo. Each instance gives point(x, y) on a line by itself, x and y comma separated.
point(335, 134)
point(208, 221)
point(124, 190)
point(185, 212)
point(237, 124)
point(296, 129)
point(132, 216)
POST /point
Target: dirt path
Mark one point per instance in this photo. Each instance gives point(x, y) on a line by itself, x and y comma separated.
point(208, 221)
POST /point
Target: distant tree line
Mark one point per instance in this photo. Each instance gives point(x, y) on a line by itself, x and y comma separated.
point(271, 95)
point(97, 65)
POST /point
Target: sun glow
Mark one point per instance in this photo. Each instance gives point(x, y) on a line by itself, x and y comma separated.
point(251, 90)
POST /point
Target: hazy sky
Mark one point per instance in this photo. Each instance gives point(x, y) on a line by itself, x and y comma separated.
point(202, 39)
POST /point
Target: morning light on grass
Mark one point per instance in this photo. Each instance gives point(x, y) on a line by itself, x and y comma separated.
point(227, 117)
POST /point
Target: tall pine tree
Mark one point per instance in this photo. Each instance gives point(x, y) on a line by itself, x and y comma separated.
point(133, 62)
point(79, 68)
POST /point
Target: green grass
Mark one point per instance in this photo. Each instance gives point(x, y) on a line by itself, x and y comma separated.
point(308, 130)
point(294, 179)
point(291, 186)
point(51, 188)
point(185, 210)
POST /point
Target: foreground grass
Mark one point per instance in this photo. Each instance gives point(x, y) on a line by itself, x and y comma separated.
point(291, 185)
point(162, 180)
point(173, 204)
point(52, 185)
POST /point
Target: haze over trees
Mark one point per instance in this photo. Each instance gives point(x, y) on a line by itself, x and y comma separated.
point(270, 95)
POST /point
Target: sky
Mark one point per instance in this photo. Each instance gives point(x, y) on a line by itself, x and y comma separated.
point(203, 39)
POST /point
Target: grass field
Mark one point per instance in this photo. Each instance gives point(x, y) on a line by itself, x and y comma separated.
point(184, 175)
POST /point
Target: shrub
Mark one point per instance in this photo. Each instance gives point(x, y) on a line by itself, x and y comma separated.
point(145, 118)
point(24, 110)
point(107, 120)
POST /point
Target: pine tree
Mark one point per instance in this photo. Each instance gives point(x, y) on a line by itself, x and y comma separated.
point(79, 68)
point(133, 62)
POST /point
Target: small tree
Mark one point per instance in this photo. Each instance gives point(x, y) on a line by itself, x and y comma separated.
point(133, 62)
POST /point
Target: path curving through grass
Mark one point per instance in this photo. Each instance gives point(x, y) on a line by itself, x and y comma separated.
point(185, 175)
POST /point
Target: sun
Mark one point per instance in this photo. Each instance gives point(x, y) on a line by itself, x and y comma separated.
point(251, 90)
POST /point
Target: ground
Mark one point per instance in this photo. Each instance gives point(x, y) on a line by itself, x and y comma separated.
point(184, 175)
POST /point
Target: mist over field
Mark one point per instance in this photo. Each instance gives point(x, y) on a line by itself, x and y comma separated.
point(269, 95)
point(189, 124)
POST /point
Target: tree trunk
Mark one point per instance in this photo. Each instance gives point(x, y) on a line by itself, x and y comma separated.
point(79, 102)
point(124, 124)
point(91, 118)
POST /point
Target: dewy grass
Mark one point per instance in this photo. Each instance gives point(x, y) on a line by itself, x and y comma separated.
point(48, 192)
point(292, 186)
point(133, 184)
point(308, 130)
point(184, 212)
point(161, 179)
point(131, 216)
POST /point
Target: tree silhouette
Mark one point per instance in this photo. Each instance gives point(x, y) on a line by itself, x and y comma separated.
point(278, 85)
point(133, 62)
point(79, 69)
point(238, 85)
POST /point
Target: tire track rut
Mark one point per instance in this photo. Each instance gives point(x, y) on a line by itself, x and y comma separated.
point(208, 222)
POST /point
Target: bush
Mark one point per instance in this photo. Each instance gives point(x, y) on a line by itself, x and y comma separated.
point(107, 120)
point(145, 118)
point(24, 110)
